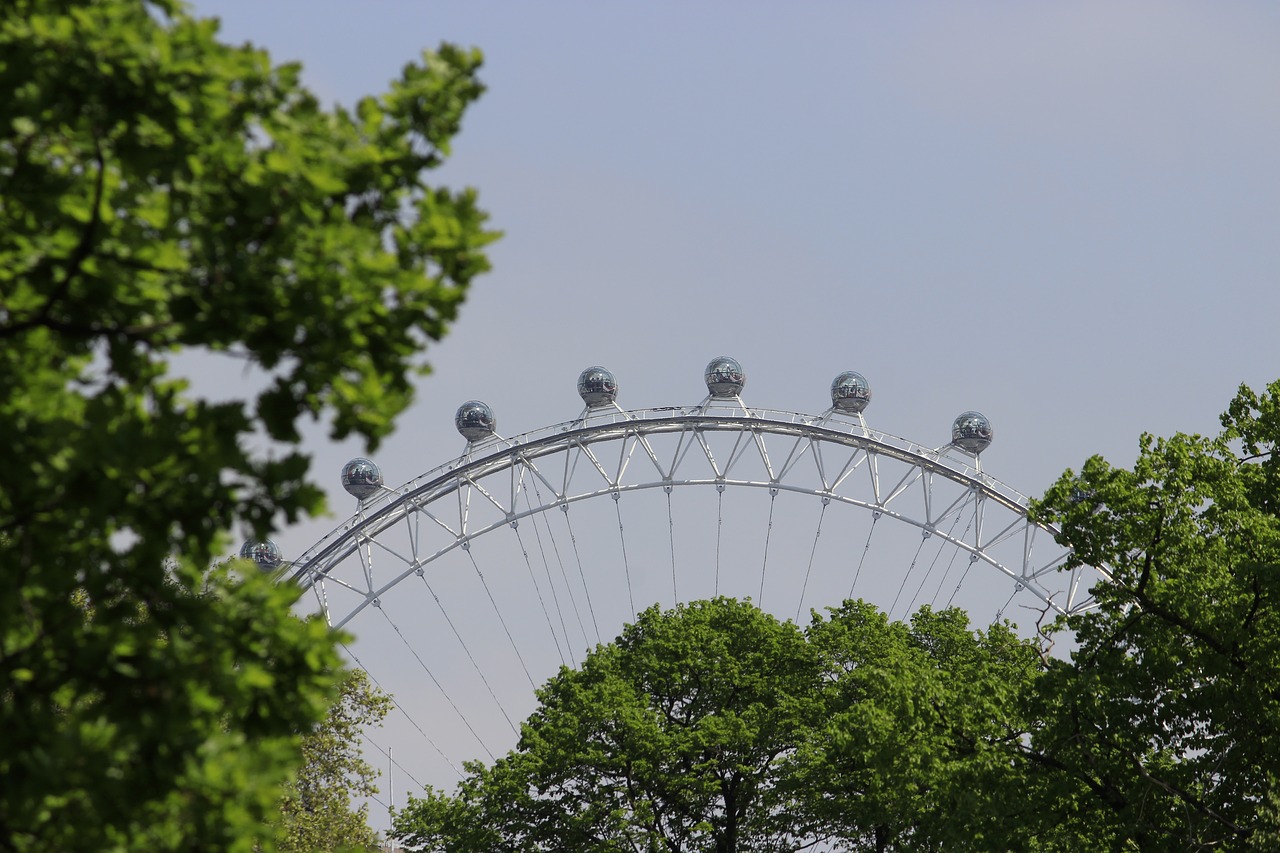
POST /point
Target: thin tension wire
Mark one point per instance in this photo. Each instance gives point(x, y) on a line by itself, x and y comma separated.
point(671, 537)
point(466, 546)
point(875, 516)
point(524, 552)
point(955, 552)
point(929, 572)
point(911, 568)
point(470, 657)
point(586, 590)
point(435, 681)
point(546, 567)
point(555, 549)
point(1018, 587)
point(812, 552)
point(373, 743)
point(768, 534)
point(973, 558)
point(626, 564)
point(401, 709)
point(719, 524)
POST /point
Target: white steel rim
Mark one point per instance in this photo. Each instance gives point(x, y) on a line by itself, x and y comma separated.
point(609, 452)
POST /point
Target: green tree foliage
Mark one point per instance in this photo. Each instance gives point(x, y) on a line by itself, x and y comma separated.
point(1164, 729)
point(914, 747)
point(714, 726)
point(162, 192)
point(318, 812)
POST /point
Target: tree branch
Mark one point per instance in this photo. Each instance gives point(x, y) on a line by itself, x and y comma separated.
point(1185, 796)
point(81, 253)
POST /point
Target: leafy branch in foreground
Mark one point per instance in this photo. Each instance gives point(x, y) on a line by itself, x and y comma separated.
point(164, 193)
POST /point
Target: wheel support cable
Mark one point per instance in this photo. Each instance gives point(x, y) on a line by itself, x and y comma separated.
point(470, 656)
point(973, 558)
point(524, 552)
point(555, 549)
point(626, 564)
point(951, 563)
point(812, 551)
point(373, 743)
point(924, 537)
point(497, 612)
point(1017, 588)
point(546, 567)
point(934, 562)
point(719, 524)
point(875, 516)
point(586, 590)
point(406, 714)
point(768, 534)
point(671, 537)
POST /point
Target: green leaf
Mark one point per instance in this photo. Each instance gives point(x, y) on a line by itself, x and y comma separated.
point(167, 193)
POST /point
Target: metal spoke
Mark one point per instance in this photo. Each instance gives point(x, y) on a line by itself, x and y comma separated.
point(924, 537)
point(546, 565)
point(951, 563)
point(400, 708)
point(932, 564)
point(626, 563)
point(555, 549)
point(586, 590)
point(812, 551)
point(719, 529)
point(865, 548)
point(768, 534)
point(466, 650)
point(671, 537)
point(497, 612)
point(445, 693)
point(524, 552)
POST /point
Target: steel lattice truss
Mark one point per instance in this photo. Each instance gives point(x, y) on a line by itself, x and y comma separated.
point(609, 453)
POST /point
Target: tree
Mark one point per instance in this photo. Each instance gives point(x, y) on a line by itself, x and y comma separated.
point(317, 810)
point(1163, 731)
point(162, 192)
point(915, 748)
point(667, 738)
point(714, 726)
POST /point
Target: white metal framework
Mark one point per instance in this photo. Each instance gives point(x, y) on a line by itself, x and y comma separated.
point(718, 445)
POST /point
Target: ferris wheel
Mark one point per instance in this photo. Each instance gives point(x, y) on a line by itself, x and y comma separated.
point(472, 583)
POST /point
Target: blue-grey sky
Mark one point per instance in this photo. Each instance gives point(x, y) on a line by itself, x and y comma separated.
point(1065, 215)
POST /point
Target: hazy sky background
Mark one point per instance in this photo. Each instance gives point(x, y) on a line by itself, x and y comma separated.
point(1064, 215)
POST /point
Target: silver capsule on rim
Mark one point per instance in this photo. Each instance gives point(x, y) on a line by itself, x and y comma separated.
point(850, 392)
point(475, 420)
point(725, 377)
point(972, 432)
point(597, 386)
point(361, 477)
